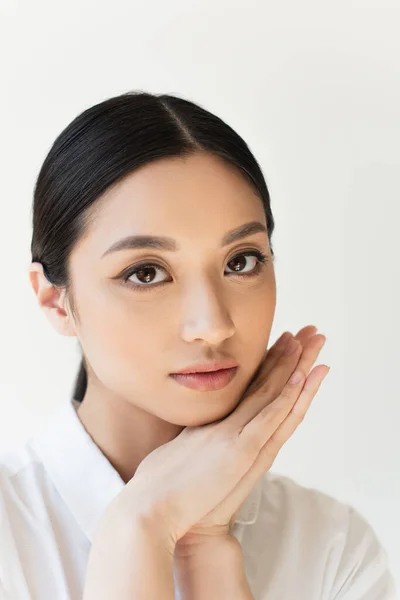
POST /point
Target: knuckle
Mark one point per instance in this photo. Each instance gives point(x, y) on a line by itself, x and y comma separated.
point(299, 414)
point(286, 393)
point(228, 441)
point(251, 450)
point(251, 442)
point(269, 412)
point(238, 450)
point(236, 447)
point(300, 376)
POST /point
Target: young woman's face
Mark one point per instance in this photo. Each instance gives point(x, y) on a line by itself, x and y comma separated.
point(201, 301)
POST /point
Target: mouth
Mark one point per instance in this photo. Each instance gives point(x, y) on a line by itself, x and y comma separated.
point(206, 381)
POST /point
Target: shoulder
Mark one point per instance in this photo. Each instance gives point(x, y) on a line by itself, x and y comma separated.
point(354, 555)
point(15, 462)
point(292, 500)
point(22, 481)
point(22, 475)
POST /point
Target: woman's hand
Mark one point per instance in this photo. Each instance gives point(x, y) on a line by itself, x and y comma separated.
point(218, 522)
point(197, 481)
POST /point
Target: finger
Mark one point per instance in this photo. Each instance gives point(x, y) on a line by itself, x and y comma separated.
point(265, 389)
point(296, 415)
point(273, 355)
point(275, 352)
point(261, 427)
point(268, 361)
point(257, 395)
point(305, 333)
point(269, 451)
point(302, 335)
point(310, 352)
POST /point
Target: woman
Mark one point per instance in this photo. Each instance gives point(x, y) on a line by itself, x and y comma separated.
point(152, 245)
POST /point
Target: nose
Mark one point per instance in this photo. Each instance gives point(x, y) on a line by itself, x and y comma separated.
point(206, 317)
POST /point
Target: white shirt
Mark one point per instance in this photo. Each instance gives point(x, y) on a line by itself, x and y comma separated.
point(298, 543)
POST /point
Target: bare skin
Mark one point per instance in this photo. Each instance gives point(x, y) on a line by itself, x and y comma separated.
point(134, 338)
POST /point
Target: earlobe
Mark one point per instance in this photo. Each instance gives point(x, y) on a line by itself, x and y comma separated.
point(69, 329)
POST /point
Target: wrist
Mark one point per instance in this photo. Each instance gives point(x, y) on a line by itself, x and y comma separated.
point(128, 562)
point(198, 548)
point(212, 569)
point(128, 517)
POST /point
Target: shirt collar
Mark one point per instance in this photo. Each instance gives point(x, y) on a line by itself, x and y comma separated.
point(84, 477)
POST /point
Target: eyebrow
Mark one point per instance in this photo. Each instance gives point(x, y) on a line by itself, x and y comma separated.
point(169, 244)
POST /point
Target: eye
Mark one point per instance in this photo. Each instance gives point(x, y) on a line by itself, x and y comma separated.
point(241, 258)
point(146, 271)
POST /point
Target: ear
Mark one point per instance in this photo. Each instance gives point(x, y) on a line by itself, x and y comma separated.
point(51, 300)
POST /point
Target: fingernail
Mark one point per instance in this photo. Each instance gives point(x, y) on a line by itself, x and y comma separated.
point(296, 377)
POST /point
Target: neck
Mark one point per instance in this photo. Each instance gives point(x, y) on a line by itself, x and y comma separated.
point(124, 433)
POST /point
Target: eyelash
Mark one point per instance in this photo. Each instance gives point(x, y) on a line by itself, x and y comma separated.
point(261, 257)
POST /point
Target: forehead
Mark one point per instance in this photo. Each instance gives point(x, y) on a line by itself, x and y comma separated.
point(188, 198)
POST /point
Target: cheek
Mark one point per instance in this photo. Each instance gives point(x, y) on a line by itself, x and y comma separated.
point(254, 329)
point(129, 340)
point(120, 345)
point(256, 315)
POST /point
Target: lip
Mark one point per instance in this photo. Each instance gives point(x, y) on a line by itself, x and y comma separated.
point(214, 365)
point(208, 381)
